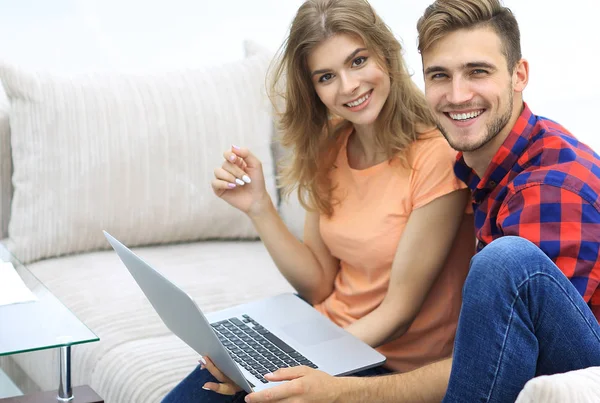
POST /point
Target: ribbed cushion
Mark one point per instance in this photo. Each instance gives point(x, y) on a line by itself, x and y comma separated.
point(130, 154)
point(291, 211)
point(5, 165)
point(137, 358)
point(581, 386)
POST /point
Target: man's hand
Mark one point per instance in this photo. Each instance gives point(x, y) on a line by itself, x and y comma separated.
point(305, 385)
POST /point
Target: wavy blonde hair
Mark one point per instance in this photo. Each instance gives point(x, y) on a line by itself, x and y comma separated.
point(307, 131)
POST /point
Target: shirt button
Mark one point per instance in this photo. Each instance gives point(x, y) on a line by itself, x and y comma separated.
point(492, 184)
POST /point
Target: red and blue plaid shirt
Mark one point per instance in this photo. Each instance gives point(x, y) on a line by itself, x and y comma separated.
point(543, 185)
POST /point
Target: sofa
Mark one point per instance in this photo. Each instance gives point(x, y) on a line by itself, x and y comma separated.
point(134, 155)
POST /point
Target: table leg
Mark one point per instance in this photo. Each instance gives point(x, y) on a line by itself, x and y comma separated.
point(65, 391)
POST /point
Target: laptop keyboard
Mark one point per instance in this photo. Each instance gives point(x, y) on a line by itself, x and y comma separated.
point(255, 348)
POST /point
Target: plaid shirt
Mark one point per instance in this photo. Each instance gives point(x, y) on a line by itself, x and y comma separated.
point(543, 185)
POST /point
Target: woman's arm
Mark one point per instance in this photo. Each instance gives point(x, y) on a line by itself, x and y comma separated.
point(308, 266)
point(420, 256)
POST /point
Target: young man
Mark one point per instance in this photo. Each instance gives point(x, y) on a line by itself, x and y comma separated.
point(531, 302)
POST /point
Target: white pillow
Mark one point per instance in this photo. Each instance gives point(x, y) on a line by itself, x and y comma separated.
point(5, 165)
point(580, 386)
point(130, 154)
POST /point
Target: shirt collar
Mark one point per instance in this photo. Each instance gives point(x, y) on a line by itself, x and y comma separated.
point(505, 158)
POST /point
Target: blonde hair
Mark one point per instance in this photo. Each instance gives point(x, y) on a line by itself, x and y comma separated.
point(445, 16)
point(307, 130)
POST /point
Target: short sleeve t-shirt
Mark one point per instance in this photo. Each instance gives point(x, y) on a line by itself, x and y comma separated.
point(364, 232)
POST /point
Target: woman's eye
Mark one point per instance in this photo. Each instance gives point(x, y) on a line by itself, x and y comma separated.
point(359, 61)
point(325, 77)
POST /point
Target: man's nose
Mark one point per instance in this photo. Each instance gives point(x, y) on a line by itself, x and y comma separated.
point(460, 91)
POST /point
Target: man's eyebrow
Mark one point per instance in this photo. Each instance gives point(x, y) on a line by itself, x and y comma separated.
point(472, 65)
point(350, 57)
point(466, 66)
point(433, 69)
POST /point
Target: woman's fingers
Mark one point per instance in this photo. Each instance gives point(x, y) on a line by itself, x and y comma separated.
point(235, 159)
point(226, 386)
point(233, 174)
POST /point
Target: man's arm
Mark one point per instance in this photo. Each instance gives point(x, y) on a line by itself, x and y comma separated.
point(563, 225)
point(426, 384)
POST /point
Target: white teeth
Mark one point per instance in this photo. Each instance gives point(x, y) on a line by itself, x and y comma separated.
point(465, 116)
point(359, 100)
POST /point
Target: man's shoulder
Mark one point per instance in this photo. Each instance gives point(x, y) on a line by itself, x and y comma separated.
point(556, 158)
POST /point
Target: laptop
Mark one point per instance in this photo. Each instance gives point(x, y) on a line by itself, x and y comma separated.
point(250, 340)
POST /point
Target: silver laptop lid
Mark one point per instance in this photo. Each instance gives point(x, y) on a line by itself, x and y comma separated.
point(179, 312)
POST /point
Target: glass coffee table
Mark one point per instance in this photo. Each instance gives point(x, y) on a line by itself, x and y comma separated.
point(37, 325)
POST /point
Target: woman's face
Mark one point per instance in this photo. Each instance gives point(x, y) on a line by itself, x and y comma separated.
point(348, 80)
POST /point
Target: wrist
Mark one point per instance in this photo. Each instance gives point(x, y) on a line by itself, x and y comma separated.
point(345, 389)
point(261, 208)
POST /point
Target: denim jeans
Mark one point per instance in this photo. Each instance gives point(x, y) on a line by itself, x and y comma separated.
point(190, 389)
point(521, 317)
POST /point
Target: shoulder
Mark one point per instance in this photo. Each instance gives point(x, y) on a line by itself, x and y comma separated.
point(556, 159)
point(430, 145)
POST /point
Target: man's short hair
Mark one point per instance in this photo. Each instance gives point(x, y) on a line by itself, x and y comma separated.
point(446, 16)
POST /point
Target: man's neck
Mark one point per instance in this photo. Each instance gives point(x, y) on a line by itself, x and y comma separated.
point(480, 159)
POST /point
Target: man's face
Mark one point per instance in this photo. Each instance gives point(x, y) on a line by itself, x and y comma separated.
point(469, 88)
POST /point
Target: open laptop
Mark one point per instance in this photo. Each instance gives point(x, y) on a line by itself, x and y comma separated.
point(248, 341)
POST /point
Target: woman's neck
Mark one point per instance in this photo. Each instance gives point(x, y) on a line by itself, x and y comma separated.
point(362, 150)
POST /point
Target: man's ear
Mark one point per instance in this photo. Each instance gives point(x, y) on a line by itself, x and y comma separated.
point(520, 75)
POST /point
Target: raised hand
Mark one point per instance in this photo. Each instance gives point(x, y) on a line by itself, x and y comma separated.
point(240, 181)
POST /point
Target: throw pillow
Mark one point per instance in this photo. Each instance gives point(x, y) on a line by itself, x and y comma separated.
point(130, 154)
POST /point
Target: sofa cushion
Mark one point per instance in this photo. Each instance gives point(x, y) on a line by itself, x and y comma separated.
point(137, 358)
point(130, 154)
point(291, 211)
point(580, 386)
point(5, 165)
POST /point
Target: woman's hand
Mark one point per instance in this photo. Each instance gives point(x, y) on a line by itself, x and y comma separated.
point(240, 181)
point(225, 385)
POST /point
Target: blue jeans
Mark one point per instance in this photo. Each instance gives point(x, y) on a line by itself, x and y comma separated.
point(521, 317)
point(190, 389)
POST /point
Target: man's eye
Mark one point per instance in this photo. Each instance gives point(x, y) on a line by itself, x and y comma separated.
point(478, 72)
point(359, 61)
point(438, 76)
point(325, 77)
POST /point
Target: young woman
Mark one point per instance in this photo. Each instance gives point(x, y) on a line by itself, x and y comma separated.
point(386, 243)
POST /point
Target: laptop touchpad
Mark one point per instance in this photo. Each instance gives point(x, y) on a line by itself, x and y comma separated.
point(311, 332)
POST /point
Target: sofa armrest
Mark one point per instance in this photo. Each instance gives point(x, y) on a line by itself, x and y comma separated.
point(581, 386)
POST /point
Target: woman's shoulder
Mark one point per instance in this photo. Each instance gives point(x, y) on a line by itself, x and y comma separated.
point(430, 142)
point(425, 132)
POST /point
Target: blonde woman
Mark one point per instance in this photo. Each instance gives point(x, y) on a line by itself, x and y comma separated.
point(387, 243)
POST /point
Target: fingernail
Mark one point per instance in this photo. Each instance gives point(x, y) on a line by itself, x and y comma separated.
point(231, 185)
point(246, 179)
point(235, 147)
point(201, 360)
point(202, 367)
point(232, 157)
point(269, 374)
point(239, 182)
point(246, 399)
point(205, 388)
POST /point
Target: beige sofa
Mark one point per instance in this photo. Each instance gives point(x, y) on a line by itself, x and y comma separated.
point(134, 155)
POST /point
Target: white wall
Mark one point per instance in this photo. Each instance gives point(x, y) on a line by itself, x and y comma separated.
point(559, 39)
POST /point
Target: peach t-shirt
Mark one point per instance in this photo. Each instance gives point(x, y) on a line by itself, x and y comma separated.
point(364, 232)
